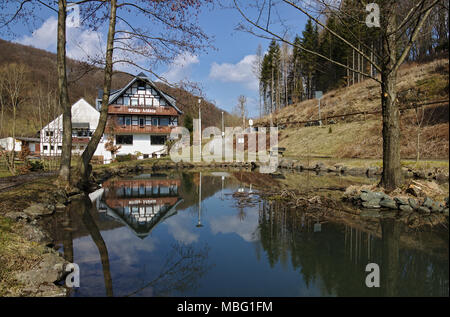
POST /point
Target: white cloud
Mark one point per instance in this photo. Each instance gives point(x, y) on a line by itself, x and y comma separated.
point(241, 72)
point(44, 37)
point(81, 43)
point(181, 67)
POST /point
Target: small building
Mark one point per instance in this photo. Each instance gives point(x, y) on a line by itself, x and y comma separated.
point(8, 144)
point(33, 144)
point(84, 122)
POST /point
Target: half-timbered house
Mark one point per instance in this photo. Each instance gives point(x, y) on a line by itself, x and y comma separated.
point(140, 118)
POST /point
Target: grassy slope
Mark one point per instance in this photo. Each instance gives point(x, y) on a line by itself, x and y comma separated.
point(359, 137)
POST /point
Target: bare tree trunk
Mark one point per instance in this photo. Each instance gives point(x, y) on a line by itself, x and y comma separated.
point(392, 172)
point(66, 154)
point(85, 167)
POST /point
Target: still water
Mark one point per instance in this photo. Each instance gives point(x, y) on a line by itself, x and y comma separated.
point(187, 235)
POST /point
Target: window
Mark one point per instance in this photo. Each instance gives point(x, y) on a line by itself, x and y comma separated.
point(141, 121)
point(157, 139)
point(174, 121)
point(162, 102)
point(126, 101)
point(156, 102)
point(52, 148)
point(49, 133)
point(59, 147)
point(134, 101)
point(135, 120)
point(120, 120)
point(142, 101)
point(45, 148)
point(164, 122)
point(128, 120)
point(155, 121)
point(148, 120)
point(148, 101)
point(124, 139)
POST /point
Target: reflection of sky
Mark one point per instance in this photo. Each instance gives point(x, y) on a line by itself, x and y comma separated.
point(236, 269)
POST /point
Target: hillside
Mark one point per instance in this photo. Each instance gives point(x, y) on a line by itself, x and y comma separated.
point(84, 82)
point(359, 136)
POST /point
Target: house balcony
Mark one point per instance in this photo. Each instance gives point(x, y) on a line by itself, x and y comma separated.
point(133, 110)
point(136, 129)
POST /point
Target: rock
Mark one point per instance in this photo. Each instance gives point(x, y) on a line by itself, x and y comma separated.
point(405, 208)
point(372, 204)
point(446, 201)
point(401, 201)
point(320, 167)
point(428, 202)
point(413, 203)
point(369, 195)
point(17, 216)
point(423, 210)
point(442, 178)
point(37, 210)
point(388, 203)
point(445, 212)
point(436, 207)
point(34, 233)
point(49, 271)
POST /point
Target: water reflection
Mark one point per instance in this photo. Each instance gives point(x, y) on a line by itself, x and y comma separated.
point(140, 203)
point(186, 235)
point(336, 257)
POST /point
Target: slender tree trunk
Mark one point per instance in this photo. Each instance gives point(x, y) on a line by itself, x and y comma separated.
point(66, 154)
point(392, 172)
point(85, 166)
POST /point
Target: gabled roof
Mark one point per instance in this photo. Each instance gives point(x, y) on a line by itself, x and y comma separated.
point(141, 76)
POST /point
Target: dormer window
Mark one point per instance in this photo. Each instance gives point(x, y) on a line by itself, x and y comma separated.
point(141, 85)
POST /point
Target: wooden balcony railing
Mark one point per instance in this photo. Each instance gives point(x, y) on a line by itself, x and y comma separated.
point(139, 129)
point(163, 110)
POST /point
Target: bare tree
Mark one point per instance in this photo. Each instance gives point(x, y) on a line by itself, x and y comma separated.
point(14, 88)
point(241, 109)
point(133, 42)
point(395, 48)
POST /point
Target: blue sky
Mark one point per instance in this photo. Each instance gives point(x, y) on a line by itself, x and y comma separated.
point(224, 73)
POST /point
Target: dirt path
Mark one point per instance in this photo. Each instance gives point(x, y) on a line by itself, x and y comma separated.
point(9, 182)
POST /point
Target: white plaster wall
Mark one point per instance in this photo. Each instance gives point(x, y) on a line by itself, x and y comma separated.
point(7, 144)
point(141, 143)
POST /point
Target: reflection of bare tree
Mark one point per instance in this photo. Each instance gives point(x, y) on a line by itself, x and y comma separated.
point(183, 267)
point(82, 208)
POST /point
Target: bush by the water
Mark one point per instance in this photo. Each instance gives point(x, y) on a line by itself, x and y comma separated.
point(125, 158)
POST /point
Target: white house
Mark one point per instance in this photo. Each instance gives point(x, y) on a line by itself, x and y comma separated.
point(8, 144)
point(84, 122)
point(140, 118)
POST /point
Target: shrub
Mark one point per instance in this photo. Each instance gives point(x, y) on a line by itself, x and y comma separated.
point(125, 158)
point(36, 165)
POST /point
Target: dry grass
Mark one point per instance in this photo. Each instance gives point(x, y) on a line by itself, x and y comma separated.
point(16, 255)
point(360, 137)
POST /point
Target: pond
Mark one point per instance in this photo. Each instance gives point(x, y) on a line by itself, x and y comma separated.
point(186, 234)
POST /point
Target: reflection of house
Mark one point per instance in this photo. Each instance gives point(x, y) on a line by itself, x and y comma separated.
point(141, 203)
